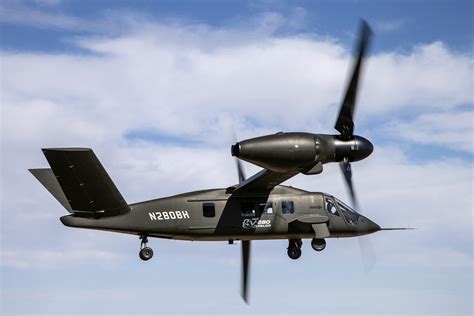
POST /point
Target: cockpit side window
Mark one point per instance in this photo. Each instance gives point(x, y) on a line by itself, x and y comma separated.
point(331, 207)
point(351, 216)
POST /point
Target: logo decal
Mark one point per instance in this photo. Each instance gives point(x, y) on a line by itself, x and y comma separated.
point(252, 223)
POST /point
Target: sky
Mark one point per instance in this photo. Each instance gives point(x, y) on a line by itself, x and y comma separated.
point(156, 88)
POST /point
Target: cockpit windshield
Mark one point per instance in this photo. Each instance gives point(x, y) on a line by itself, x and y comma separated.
point(351, 216)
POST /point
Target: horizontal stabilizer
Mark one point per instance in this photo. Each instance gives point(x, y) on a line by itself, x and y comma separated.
point(84, 181)
point(49, 181)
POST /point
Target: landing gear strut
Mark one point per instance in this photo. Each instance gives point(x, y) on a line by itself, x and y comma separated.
point(146, 253)
point(318, 244)
point(294, 248)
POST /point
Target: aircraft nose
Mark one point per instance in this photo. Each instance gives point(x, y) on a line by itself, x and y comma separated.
point(373, 227)
point(367, 226)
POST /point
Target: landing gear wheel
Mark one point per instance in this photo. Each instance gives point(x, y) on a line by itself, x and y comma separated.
point(294, 248)
point(294, 252)
point(146, 253)
point(299, 243)
point(318, 244)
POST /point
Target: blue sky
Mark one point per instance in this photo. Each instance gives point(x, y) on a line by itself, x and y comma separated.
point(423, 21)
point(155, 88)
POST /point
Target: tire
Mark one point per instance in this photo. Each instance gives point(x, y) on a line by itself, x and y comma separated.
point(146, 253)
point(318, 244)
point(294, 253)
point(295, 243)
point(299, 243)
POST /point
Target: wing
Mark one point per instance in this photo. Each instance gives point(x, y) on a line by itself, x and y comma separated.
point(263, 182)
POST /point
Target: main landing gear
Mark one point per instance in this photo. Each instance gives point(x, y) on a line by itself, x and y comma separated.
point(294, 248)
point(146, 253)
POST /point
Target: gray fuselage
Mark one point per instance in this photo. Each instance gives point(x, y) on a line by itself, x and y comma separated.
point(217, 214)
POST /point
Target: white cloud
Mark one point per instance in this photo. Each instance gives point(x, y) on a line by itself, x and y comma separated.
point(191, 75)
point(450, 129)
point(389, 25)
point(45, 14)
point(18, 13)
point(429, 77)
point(270, 21)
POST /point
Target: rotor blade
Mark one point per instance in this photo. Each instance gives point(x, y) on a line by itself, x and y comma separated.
point(240, 171)
point(240, 168)
point(345, 122)
point(365, 245)
point(367, 253)
point(347, 173)
point(245, 268)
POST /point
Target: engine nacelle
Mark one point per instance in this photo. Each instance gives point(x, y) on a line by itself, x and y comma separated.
point(285, 152)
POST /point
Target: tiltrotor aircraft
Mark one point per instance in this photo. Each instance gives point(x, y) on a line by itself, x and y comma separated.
point(257, 208)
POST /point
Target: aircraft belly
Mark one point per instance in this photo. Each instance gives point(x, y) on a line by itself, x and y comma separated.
point(239, 237)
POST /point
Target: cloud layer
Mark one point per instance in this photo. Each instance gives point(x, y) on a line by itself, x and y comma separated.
point(158, 104)
point(195, 82)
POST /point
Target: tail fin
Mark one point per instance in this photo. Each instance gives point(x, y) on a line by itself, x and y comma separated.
point(84, 182)
point(49, 181)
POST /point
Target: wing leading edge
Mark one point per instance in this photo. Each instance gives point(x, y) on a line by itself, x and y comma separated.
point(263, 182)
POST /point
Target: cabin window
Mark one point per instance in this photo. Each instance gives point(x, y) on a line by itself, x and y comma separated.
point(266, 207)
point(208, 210)
point(248, 209)
point(287, 207)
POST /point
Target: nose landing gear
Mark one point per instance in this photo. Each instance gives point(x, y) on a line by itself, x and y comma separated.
point(294, 248)
point(318, 244)
point(146, 253)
